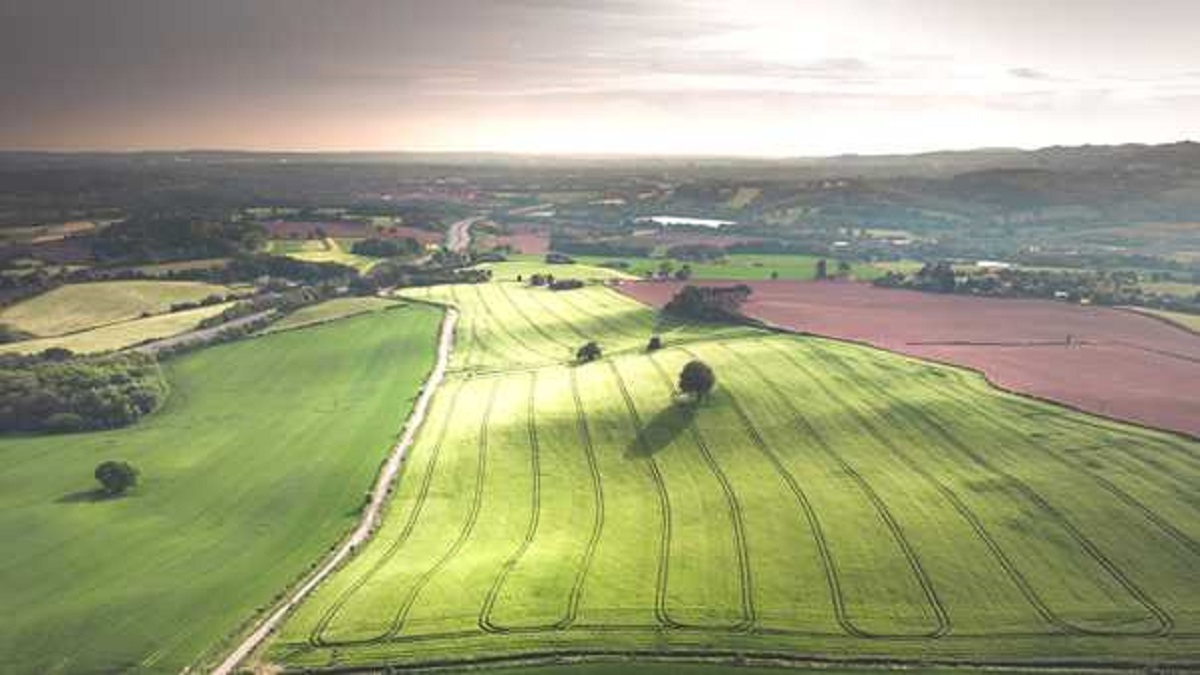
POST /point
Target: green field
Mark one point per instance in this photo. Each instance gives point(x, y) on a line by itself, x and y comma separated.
point(1189, 321)
point(322, 250)
point(119, 335)
point(829, 500)
point(77, 307)
point(525, 266)
point(330, 310)
point(742, 267)
point(256, 465)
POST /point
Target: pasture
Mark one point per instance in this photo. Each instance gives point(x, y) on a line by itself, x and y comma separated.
point(114, 336)
point(77, 307)
point(828, 500)
point(254, 467)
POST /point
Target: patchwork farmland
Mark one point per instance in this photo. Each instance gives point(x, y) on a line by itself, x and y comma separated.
point(829, 500)
point(1106, 361)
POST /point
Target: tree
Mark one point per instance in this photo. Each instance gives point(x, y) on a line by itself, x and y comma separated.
point(822, 270)
point(665, 268)
point(654, 344)
point(843, 268)
point(684, 273)
point(697, 379)
point(774, 275)
point(588, 352)
point(116, 476)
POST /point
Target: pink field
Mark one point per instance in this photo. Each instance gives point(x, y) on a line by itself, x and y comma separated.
point(1119, 363)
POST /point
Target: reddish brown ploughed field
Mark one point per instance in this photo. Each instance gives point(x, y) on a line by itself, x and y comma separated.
point(1118, 363)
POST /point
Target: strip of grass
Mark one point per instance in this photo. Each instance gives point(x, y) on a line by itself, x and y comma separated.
point(77, 307)
point(331, 310)
point(119, 335)
point(254, 467)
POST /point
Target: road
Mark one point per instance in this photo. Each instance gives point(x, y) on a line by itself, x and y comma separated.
point(370, 516)
point(458, 237)
point(199, 334)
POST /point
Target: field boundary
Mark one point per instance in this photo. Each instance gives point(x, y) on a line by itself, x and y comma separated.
point(371, 514)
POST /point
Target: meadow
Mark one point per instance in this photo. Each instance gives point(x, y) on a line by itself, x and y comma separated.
point(77, 307)
point(828, 500)
point(741, 267)
point(255, 466)
point(114, 336)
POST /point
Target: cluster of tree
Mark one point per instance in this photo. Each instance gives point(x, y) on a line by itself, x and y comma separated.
point(386, 248)
point(493, 256)
point(281, 302)
point(1102, 287)
point(696, 252)
point(446, 269)
point(589, 352)
point(176, 235)
point(604, 247)
point(709, 303)
point(55, 391)
point(555, 258)
point(209, 301)
point(821, 272)
point(565, 284)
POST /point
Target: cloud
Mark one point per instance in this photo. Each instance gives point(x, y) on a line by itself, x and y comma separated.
point(1028, 74)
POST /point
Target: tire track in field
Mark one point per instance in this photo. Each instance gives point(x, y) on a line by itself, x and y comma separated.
point(316, 636)
point(464, 533)
point(664, 501)
point(940, 616)
point(470, 352)
point(608, 322)
point(503, 328)
point(537, 327)
point(589, 449)
point(972, 519)
point(558, 317)
point(737, 518)
point(489, 603)
point(1160, 616)
point(1113, 489)
point(832, 580)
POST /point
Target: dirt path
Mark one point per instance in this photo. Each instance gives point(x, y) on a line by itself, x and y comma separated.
point(370, 516)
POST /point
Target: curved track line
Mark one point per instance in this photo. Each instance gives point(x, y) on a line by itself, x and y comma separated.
point(1165, 623)
point(370, 516)
point(464, 533)
point(485, 613)
point(736, 517)
point(942, 619)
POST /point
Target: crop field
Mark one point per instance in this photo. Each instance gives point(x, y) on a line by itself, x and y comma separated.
point(526, 265)
point(1188, 321)
point(254, 467)
point(743, 267)
point(76, 307)
point(828, 500)
point(330, 310)
point(1106, 361)
point(114, 336)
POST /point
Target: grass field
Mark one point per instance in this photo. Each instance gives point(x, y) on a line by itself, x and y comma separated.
point(328, 249)
point(76, 307)
point(743, 266)
point(828, 500)
point(525, 265)
point(120, 335)
point(330, 310)
point(256, 465)
point(1189, 321)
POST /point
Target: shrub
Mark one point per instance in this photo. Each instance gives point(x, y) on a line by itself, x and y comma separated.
point(588, 352)
point(116, 476)
point(654, 344)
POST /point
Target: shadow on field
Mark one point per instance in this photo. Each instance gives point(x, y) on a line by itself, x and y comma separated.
point(84, 496)
point(661, 429)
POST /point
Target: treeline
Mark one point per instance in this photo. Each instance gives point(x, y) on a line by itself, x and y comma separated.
point(1102, 288)
point(386, 248)
point(709, 303)
point(165, 236)
point(58, 393)
point(603, 247)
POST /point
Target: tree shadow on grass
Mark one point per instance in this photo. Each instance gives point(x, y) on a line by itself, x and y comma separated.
point(661, 429)
point(86, 496)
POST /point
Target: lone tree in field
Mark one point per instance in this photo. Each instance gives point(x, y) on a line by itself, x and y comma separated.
point(587, 353)
point(822, 271)
point(697, 379)
point(116, 477)
point(654, 344)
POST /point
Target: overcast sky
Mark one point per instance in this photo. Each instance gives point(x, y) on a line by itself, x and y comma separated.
point(744, 77)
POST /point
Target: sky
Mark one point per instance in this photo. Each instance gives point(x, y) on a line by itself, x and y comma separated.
point(678, 77)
